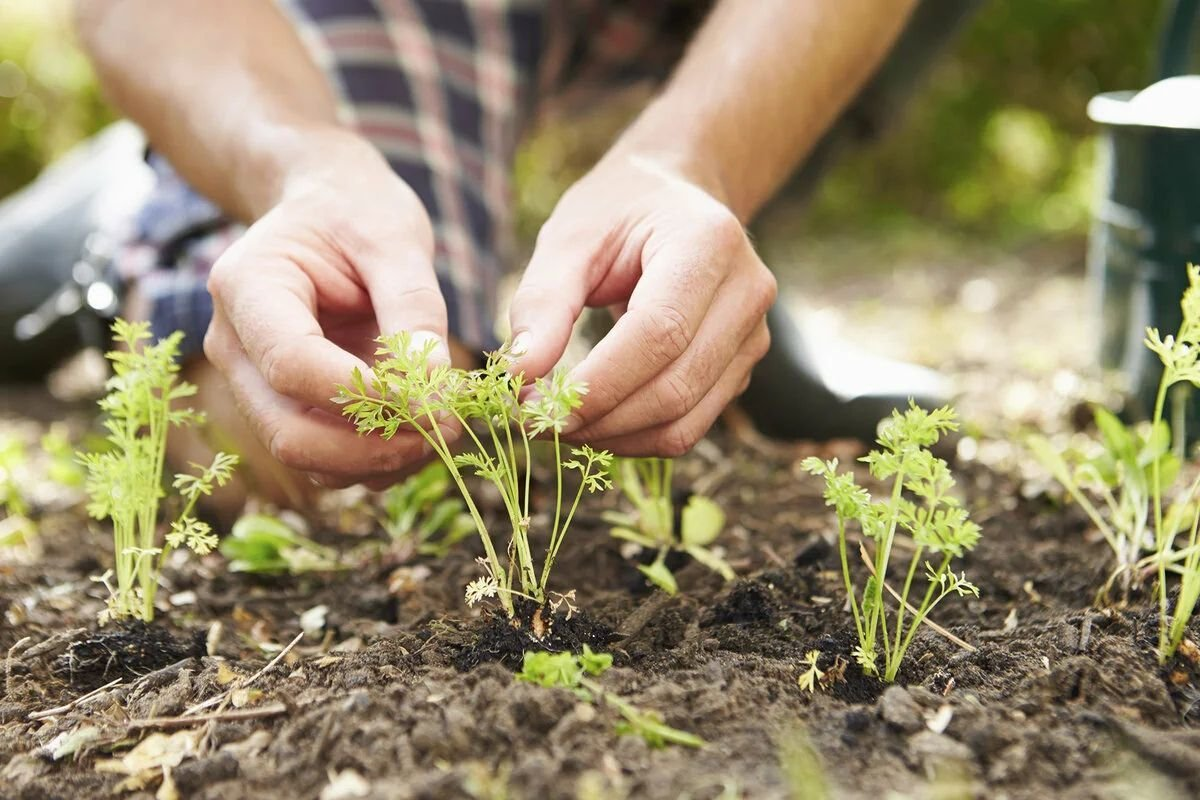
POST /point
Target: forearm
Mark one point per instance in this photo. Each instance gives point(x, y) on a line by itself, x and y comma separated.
point(223, 88)
point(758, 87)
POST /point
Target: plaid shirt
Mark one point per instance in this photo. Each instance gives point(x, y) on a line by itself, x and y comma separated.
point(444, 89)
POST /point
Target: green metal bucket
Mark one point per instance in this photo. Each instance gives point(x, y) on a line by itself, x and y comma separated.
point(1146, 221)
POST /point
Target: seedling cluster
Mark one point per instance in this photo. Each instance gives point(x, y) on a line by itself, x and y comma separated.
point(578, 673)
point(404, 392)
point(1136, 474)
point(651, 525)
point(920, 506)
point(125, 481)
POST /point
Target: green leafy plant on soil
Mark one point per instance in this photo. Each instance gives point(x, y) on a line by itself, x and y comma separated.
point(125, 481)
point(577, 672)
point(404, 391)
point(62, 467)
point(418, 514)
point(646, 484)
point(265, 544)
point(937, 524)
point(1117, 468)
point(18, 533)
point(1136, 472)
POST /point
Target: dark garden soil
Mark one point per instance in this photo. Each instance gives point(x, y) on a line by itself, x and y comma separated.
point(399, 690)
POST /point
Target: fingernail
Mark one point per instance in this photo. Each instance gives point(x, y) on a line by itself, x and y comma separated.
point(419, 340)
point(520, 345)
point(572, 424)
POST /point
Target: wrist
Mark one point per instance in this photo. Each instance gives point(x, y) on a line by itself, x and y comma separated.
point(287, 160)
point(678, 141)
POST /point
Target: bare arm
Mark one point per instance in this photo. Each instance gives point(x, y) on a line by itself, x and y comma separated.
point(339, 248)
point(655, 230)
point(223, 88)
point(758, 87)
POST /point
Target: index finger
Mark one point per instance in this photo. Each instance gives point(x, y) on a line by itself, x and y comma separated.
point(273, 313)
point(664, 314)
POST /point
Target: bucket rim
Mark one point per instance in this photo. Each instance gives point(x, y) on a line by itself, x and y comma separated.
point(1112, 108)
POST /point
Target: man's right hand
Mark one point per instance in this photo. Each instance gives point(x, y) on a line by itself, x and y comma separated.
point(297, 303)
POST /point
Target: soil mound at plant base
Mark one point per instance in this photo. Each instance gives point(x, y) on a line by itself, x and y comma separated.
point(534, 627)
point(129, 651)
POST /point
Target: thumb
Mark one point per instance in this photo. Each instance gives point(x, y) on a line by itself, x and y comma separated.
point(547, 303)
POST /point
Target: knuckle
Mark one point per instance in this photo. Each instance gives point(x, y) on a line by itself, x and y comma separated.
point(677, 440)
point(287, 450)
point(277, 369)
point(761, 343)
point(678, 394)
point(725, 229)
point(667, 334)
point(766, 290)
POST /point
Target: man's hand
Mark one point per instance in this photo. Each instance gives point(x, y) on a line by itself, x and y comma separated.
point(674, 263)
point(655, 229)
point(300, 298)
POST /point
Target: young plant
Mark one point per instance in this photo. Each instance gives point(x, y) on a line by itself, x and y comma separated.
point(125, 481)
point(646, 484)
point(418, 514)
point(263, 544)
point(18, 533)
point(578, 672)
point(920, 506)
point(1136, 473)
point(404, 392)
point(1118, 470)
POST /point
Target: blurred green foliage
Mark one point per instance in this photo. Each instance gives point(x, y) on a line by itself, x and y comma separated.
point(997, 142)
point(48, 96)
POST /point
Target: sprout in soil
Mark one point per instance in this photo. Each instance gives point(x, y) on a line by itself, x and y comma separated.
point(404, 391)
point(420, 518)
point(265, 544)
point(125, 480)
point(935, 521)
point(18, 533)
point(577, 672)
point(646, 484)
point(1135, 472)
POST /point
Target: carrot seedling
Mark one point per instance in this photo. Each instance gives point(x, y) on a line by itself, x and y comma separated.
point(646, 484)
point(577, 673)
point(265, 544)
point(125, 481)
point(420, 518)
point(1134, 474)
point(404, 392)
point(920, 505)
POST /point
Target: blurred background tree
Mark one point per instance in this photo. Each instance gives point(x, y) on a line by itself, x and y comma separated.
point(997, 145)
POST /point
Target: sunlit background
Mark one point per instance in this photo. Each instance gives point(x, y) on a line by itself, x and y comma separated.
point(996, 145)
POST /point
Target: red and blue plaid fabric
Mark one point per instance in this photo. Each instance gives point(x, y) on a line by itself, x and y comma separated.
point(444, 89)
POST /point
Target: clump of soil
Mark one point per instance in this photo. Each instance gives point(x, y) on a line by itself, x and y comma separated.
point(129, 651)
point(505, 641)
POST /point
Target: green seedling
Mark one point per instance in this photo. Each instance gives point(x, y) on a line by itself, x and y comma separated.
point(1118, 470)
point(811, 677)
point(13, 459)
point(803, 773)
point(1136, 473)
point(125, 481)
point(263, 544)
point(18, 533)
point(404, 392)
point(418, 514)
point(578, 673)
point(62, 466)
point(646, 484)
point(920, 505)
